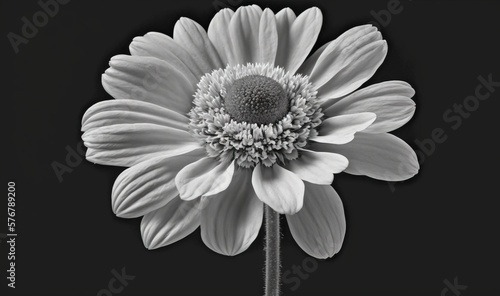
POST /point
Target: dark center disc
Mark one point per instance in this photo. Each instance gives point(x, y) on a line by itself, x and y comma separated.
point(256, 99)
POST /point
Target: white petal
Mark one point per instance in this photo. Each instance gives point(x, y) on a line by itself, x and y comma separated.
point(148, 79)
point(163, 47)
point(149, 185)
point(317, 167)
point(279, 188)
point(347, 62)
point(193, 38)
point(284, 21)
point(244, 34)
point(170, 223)
point(204, 177)
point(341, 129)
point(218, 32)
point(319, 228)
point(129, 144)
point(112, 112)
point(390, 100)
point(341, 51)
point(361, 67)
point(252, 35)
point(309, 64)
point(297, 36)
point(268, 38)
point(379, 156)
point(232, 218)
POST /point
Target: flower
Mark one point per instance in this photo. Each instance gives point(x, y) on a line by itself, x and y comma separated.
point(213, 125)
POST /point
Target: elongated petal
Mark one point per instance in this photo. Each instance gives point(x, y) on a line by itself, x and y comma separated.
point(244, 34)
point(149, 185)
point(319, 228)
point(149, 79)
point(204, 177)
point(232, 218)
point(129, 144)
point(218, 32)
point(163, 47)
point(268, 38)
point(340, 51)
point(379, 156)
point(193, 38)
point(112, 112)
point(170, 223)
point(247, 36)
point(284, 21)
point(390, 100)
point(318, 167)
point(341, 129)
point(347, 62)
point(297, 37)
point(279, 188)
point(361, 67)
point(307, 67)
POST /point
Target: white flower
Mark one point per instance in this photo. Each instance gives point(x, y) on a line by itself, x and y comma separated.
point(213, 125)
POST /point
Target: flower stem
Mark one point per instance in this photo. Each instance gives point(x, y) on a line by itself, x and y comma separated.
point(272, 248)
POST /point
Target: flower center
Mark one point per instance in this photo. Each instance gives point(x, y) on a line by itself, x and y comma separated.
point(256, 99)
point(254, 114)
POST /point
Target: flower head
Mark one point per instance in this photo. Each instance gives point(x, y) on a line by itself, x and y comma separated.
point(213, 125)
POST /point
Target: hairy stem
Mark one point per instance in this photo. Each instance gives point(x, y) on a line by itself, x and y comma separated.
point(272, 248)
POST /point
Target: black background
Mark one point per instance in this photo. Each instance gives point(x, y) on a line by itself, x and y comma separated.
point(408, 240)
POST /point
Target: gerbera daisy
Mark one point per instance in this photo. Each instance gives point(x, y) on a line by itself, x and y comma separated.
point(214, 125)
